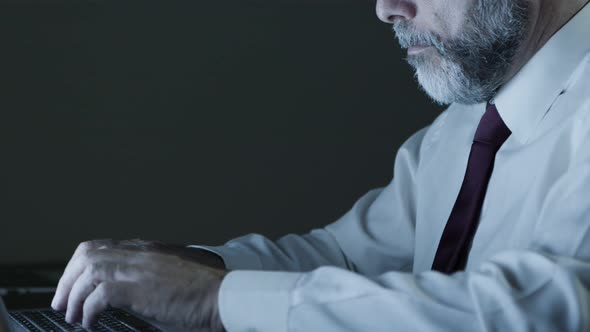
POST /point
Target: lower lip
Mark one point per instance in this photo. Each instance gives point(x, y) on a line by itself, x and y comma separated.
point(417, 49)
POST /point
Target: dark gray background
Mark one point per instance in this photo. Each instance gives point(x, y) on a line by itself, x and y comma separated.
point(193, 121)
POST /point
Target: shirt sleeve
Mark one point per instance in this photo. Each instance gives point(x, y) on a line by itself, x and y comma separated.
point(542, 288)
point(514, 291)
point(380, 225)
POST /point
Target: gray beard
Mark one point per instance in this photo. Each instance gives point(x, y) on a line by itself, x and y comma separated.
point(472, 67)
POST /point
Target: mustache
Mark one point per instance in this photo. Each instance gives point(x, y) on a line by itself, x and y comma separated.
point(408, 36)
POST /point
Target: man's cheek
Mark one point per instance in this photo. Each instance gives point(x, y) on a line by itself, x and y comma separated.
point(451, 16)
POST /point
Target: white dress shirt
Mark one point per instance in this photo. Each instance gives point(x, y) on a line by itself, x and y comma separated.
point(529, 265)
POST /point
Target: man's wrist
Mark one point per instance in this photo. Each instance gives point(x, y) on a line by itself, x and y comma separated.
point(206, 257)
point(201, 256)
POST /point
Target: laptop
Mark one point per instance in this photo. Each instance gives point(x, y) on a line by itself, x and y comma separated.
point(49, 320)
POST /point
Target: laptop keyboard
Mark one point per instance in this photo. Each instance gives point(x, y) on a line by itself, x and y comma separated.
point(112, 320)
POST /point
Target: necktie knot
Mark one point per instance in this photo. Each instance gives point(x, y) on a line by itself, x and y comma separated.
point(492, 130)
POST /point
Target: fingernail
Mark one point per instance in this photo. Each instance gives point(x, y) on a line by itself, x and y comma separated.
point(55, 305)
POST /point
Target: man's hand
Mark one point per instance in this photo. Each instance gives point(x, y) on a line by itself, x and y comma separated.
point(134, 274)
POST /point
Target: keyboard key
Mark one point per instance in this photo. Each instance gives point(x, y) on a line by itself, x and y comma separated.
point(22, 320)
point(41, 321)
point(132, 321)
point(60, 319)
point(112, 320)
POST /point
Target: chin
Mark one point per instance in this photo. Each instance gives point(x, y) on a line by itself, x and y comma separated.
point(445, 81)
point(437, 78)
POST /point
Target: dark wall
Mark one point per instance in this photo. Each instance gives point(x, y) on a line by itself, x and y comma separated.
point(193, 121)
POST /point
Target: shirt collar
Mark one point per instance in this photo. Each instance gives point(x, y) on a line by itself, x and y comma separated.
point(526, 98)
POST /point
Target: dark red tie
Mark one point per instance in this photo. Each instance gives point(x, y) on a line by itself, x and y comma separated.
point(455, 242)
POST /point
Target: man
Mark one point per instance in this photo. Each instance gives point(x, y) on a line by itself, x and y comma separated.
point(485, 225)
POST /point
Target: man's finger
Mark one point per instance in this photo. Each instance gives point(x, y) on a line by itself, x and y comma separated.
point(73, 270)
point(76, 268)
point(93, 275)
point(113, 293)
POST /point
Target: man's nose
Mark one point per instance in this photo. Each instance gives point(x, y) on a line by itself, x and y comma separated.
point(390, 10)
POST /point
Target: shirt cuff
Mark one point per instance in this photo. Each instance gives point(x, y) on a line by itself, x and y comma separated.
point(234, 258)
point(256, 300)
